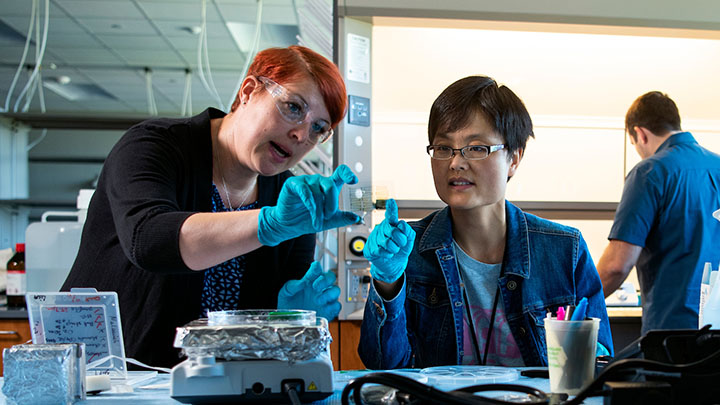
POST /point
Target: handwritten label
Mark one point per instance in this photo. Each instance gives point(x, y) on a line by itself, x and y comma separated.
point(87, 324)
point(92, 319)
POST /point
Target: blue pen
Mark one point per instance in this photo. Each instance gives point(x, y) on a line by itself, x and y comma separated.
point(580, 310)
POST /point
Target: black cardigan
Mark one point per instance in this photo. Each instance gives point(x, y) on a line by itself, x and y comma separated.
point(155, 177)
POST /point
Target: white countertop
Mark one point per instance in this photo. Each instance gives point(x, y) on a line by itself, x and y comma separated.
point(157, 393)
point(624, 312)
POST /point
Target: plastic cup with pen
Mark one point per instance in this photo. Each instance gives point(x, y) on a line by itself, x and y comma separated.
point(571, 346)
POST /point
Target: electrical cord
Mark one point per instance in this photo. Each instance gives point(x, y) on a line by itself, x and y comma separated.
point(34, 143)
point(426, 394)
point(186, 109)
point(38, 62)
point(251, 53)
point(110, 357)
point(534, 392)
point(28, 40)
point(293, 395)
point(37, 85)
point(207, 82)
point(290, 388)
point(152, 106)
point(651, 365)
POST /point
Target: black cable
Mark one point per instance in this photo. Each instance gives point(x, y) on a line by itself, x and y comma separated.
point(638, 363)
point(541, 396)
point(427, 394)
point(464, 396)
point(294, 398)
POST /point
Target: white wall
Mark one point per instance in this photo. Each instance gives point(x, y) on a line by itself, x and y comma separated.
point(577, 86)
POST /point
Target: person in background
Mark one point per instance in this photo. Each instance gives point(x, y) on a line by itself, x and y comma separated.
point(472, 283)
point(201, 214)
point(664, 224)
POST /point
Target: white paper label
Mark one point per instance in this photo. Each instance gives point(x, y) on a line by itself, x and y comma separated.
point(358, 58)
point(704, 292)
point(16, 283)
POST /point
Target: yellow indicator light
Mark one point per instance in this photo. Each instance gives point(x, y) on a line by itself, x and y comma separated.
point(358, 245)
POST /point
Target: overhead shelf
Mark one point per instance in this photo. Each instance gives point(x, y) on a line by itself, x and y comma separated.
point(72, 121)
point(39, 203)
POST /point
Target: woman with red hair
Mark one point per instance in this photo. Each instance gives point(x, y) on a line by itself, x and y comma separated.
point(201, 214)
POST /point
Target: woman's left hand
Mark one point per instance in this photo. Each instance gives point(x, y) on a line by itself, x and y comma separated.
point(316, 291)
point(307, 204)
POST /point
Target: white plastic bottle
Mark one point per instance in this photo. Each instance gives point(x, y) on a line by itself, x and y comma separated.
point(705, 288)
point(711, 312)
point(53, 245)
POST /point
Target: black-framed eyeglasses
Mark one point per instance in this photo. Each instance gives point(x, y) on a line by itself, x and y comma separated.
point(470, 152)
point(295, 110)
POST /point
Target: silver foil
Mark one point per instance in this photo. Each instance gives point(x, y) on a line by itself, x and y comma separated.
point(274, 341)
point(44, 374)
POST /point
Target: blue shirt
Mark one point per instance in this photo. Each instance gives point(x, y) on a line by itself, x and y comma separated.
point(221, 283)
point(545, 265)
point(666, 208)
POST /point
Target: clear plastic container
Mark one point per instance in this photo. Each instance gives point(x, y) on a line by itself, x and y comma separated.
point(453, 377)
point(262, 317)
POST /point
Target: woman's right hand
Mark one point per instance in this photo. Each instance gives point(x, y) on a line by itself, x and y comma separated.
point(307, 204)
point(389, 245)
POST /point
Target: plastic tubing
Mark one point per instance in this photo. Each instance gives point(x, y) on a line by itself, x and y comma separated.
point(28, 38)
point(250, 55)
point(42, 54)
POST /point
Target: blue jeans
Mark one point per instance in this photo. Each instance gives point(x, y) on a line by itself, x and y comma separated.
point(546, 265)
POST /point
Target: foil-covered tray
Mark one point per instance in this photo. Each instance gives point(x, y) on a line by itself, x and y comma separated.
point(272, 338)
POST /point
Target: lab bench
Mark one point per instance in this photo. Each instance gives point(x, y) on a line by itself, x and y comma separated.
point(625, 325)
point(14, 328)
point(157, 391)
point(624, 322)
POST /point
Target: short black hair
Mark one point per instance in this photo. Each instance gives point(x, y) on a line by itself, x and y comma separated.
point(459, 102)
point(654, 111)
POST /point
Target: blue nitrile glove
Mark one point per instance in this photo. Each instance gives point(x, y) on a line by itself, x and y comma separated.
point(316, 291)
point(389, 245)
point(307, 204)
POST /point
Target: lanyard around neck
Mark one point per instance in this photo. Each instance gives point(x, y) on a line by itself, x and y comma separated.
point(471, 323)
point(476, 346)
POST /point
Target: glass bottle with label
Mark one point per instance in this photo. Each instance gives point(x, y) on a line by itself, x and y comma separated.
point(16, 279)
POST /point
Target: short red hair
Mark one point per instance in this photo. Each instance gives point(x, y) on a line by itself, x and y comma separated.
point(283, 65)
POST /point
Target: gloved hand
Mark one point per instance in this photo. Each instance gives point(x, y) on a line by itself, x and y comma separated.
point(307, 204)
point(316, 291)
point(389, 245)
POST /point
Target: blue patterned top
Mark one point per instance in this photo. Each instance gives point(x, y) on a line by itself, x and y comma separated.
point(221, 286)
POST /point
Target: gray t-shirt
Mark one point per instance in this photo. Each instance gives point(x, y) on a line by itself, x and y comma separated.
point(481, 281)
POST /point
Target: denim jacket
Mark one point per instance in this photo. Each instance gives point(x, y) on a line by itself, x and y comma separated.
point(546, 265)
